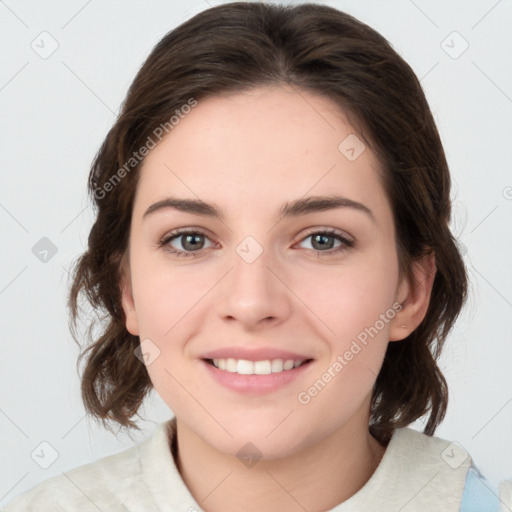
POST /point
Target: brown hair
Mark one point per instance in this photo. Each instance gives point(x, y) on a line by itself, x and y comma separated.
point(316, 48)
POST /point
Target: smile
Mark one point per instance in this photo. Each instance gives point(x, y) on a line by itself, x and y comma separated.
point(264, 367)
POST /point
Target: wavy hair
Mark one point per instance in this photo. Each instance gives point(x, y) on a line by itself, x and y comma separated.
point(232, 48)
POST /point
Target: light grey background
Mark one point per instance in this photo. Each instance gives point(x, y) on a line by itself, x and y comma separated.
point(55, 112)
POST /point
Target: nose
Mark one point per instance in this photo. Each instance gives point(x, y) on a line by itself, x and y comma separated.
point(254, 292)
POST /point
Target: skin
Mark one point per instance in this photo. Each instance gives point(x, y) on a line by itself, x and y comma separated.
point(249, 153)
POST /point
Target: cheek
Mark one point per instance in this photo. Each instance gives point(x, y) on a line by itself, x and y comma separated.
point(351, 297)
point(167, 300)
point(355, 303)
point(166, 296)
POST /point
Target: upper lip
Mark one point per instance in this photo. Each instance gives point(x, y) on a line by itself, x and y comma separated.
point(254, 354)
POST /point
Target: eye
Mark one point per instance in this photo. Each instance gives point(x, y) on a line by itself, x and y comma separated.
point(190, 242)
point(323, 241)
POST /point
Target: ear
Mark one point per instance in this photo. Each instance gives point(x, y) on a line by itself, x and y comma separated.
point(414, 298)
point(132, 324)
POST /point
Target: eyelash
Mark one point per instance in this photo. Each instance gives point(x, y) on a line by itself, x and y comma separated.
point(164, 242)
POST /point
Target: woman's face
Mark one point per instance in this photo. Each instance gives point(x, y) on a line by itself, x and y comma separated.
point(252, 289)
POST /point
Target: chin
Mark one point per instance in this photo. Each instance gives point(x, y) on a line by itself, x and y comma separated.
point(269, 438)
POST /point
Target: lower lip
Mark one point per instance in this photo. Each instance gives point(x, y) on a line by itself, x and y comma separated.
point(255, 384)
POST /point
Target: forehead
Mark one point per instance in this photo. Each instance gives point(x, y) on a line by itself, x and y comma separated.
point(265, 145)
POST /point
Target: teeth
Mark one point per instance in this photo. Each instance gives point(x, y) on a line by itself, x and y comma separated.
point(288, 365)
point(262, 367)
point(245, 367)
point(277, 365)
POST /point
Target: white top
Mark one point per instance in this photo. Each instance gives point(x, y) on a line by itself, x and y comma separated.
point(417, 473)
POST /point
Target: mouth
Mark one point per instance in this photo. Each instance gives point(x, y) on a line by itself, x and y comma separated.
point(263, 367)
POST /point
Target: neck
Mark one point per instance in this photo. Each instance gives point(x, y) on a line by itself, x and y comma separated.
point(315, 479)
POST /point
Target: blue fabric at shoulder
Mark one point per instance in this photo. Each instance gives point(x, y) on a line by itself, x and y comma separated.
point(479, 495)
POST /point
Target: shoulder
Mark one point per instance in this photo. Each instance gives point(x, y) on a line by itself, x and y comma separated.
point(426, 472)
point(435, 452)
point(454, 475)
point(82, 488)
point(100, 485)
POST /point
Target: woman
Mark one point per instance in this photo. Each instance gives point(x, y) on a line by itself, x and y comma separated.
point(272, 250)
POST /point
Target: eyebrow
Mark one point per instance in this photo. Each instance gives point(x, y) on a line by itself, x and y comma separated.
point(295, 208)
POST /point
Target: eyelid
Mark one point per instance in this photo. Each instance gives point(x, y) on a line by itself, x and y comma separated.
point(175, 233)
point(327, 230)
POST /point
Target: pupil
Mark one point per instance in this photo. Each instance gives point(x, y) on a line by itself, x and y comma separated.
point(323, 237)
point(189, 240)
